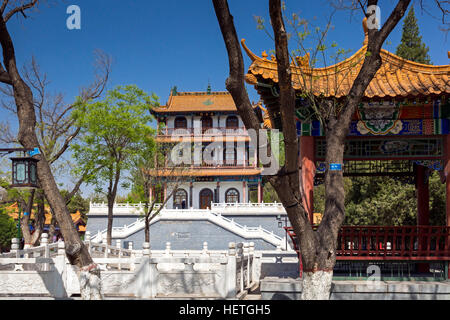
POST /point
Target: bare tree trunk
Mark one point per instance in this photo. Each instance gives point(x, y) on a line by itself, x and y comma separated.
point(147, 230)
point(76, 251)
point(52, 229)
point(39, 218)
point(24, 221)
point(318, 248)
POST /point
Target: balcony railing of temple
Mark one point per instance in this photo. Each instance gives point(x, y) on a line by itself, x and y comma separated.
point(421, 243)
point(216, 164)
point(239, 131)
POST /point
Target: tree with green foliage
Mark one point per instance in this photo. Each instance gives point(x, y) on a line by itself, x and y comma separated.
point(411, 46)
point(8, 230)
point(114, 131)
point(385, 201)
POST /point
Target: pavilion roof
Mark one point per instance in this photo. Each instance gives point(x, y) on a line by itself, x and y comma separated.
point(397, 77)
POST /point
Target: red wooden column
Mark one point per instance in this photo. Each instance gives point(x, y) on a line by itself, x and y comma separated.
point(308, 172)
point(447, 183)
point(259, 192)
point(423, 210)
point(165, 191)
point(150, 191)
point(423, 197)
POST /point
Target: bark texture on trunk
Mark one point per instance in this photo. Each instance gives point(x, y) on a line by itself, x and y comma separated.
point(316, 285)
point(111, 197)
point(91, 283)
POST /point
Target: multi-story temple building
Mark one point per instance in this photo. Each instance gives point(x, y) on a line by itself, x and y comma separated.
point(210, 146)
point(210, 178)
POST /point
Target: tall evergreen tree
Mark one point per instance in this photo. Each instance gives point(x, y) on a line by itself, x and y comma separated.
point(411, 46)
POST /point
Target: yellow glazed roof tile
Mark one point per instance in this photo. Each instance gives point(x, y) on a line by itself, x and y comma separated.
point(198, 102)
point(397, 77)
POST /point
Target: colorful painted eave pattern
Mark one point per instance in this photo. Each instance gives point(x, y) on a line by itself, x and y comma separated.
point(411, 127)
point(397, 77)
point(375, 119)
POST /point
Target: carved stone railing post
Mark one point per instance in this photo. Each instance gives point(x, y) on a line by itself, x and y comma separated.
point(119, 249)
point(44, 243)
point(252, 261)
point(145, 279)
point(240, 258)
point(231, 271)
point(247, 264)
point(205, 249)
point(60, 266)
point(15, 246)
point(132, 256)
point(167, 251)
point(87, 241)
point(105, 244)
point(146, 250)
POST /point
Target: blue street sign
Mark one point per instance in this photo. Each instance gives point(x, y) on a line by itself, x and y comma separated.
point(34, 152)
point(335, 167)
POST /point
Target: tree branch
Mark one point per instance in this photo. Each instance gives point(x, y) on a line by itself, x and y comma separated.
point(235, 83)
point(20, 9)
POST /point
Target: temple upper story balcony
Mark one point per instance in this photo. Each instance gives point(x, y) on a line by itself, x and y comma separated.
point(208, 131)
point(216, 164)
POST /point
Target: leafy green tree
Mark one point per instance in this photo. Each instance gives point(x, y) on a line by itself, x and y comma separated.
point(386, 201)
point(114, 131)
point(8, 230)
point(437, 200)
point(76, 203)
point(411, 46)
point(381, 201)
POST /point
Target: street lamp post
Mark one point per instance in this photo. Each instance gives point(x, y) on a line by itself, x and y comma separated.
point(24, 171)
point(24, 168)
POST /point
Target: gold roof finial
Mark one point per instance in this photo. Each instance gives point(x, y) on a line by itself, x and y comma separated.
point(264, 55)
point(366, 31)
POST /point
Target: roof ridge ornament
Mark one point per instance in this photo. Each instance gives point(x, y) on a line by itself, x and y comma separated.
point(251, 55)
point(264, 55)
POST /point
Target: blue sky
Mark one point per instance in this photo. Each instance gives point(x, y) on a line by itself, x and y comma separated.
point(159, 44)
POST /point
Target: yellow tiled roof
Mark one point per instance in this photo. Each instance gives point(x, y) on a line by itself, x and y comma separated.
point(198, 102)
point(13, 212)
point(397, 77)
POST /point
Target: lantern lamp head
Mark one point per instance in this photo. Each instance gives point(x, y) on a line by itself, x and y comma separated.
point(24, 172)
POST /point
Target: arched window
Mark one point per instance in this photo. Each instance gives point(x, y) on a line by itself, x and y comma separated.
point(232, 196)
point(232, 122)
point(180, 199)
point(207, 123)
point(180, 123)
